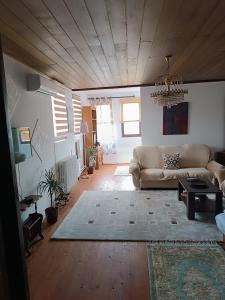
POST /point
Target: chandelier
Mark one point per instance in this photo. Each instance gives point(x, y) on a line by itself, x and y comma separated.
point(169, 89)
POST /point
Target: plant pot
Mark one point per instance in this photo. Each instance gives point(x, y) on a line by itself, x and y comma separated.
point(90, 170)
point(51, 214)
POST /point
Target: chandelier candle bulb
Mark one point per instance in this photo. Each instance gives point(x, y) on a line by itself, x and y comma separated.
point(169, 89)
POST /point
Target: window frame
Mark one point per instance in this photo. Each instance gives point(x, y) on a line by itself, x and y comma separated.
point(127, 101)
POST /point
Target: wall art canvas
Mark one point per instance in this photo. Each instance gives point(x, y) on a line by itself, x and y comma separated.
point(175, 119)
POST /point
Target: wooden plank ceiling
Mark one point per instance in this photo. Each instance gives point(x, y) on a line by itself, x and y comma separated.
point(97, 43)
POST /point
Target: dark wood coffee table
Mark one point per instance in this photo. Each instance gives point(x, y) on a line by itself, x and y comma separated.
point(191, 192)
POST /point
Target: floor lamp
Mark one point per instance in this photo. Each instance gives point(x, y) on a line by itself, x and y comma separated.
point(84, 130)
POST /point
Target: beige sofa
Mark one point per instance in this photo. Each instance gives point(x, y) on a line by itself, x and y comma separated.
point(195, 160)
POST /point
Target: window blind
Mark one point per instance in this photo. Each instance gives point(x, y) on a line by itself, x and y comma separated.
point(60, 115)
point(77, 113)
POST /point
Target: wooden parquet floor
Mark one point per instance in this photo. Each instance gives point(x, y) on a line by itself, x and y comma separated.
point(86, 270)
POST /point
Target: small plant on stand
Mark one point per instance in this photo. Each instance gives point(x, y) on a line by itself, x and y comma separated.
point(52, 186)
point(91, 153)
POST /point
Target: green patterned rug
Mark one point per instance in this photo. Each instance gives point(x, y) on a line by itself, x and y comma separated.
point(186, 271)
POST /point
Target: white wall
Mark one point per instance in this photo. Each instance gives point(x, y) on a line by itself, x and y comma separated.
point(25, 109)
point(206, 117)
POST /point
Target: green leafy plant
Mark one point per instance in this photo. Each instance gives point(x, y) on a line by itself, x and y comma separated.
point(91, 152)
point(51, 185)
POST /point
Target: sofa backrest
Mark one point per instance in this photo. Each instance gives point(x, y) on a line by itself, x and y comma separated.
point(191, 155)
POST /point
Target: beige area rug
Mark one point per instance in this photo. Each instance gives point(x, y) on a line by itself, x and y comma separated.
point(122, 171)
point(134, 216)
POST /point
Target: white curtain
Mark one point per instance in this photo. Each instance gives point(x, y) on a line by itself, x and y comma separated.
point(105, 129)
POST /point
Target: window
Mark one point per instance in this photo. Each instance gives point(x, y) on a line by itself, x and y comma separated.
point(105, 128)
point(60, 115)
point(77, 113)
point(130, 117)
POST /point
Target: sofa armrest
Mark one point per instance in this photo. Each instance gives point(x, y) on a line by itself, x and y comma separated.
point(218, 171)
point(134, 169)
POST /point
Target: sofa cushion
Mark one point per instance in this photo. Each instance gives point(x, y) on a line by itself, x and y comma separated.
point(151, 174)
point(174, 174)
point(198, 172)
point(171, 160)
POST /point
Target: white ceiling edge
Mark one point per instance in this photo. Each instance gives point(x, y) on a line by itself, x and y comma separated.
point(132, 91)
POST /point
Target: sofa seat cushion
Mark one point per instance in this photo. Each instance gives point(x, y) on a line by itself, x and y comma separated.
point(198, 172)
point(151, 174)
point(174, 174)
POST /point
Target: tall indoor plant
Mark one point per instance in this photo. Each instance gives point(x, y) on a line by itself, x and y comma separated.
point(91, 153)
point(52, 186)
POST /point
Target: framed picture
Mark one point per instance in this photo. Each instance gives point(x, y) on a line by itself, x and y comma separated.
point(24, 133)
point(175, 119)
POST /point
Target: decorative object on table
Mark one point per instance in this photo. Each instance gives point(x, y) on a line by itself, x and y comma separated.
point(175, 119)
point(169, 89)
point(134, 216)
point(53, 187)
point(199, 186)
point(91, 154)
point(186, 270)
point(194, 179)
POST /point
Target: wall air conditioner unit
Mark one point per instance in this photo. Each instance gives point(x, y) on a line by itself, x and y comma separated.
point(41, 84)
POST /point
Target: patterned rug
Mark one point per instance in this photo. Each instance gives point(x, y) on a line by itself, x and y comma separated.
point(134, 216)
point(186, 271)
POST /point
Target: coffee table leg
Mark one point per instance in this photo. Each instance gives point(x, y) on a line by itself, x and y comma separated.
point(191, 206)
point(180, 189)
point(219, 203)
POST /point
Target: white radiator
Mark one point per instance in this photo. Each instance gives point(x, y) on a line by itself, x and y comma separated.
point(68, 171)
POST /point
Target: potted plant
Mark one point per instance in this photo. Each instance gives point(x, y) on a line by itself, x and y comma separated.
point(52, 186)
point(91, 153)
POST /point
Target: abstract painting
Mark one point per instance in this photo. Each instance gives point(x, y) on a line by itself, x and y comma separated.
point(175, 119)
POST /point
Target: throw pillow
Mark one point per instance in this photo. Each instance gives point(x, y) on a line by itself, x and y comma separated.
point(171, 160)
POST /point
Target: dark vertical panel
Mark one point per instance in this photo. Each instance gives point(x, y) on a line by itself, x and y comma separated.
point(4, 287)
point(11, 224)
